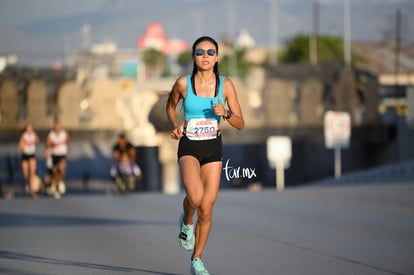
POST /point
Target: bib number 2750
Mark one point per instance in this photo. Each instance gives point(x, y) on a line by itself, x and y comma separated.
point(201, 129)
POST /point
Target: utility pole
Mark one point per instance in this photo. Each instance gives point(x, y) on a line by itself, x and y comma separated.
point(232, 37)
point(314, 38)
point(86, 36)
point(397, 46)
point(347, 34)
point(273, 32)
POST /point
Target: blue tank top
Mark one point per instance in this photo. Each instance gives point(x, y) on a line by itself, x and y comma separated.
point(201, 107)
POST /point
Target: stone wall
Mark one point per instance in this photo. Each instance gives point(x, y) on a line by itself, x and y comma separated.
point(9, 105)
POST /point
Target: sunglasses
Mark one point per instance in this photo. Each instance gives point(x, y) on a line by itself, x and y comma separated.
point(210, 52)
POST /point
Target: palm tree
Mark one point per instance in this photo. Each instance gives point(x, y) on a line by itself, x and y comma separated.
point(155, 62)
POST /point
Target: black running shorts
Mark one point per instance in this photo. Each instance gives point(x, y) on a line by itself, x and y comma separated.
point(204, 150)
point(57, 159)
point(25, 157)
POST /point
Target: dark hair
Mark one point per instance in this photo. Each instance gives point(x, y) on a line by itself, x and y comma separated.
point(215, 69)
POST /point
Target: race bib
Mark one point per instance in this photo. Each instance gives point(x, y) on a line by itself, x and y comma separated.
point(201, 129)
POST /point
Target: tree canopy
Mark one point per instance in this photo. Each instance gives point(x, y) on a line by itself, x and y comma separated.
point(330, 49)
point(154, 60)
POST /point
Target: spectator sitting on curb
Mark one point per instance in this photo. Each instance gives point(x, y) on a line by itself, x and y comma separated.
point(125, 173)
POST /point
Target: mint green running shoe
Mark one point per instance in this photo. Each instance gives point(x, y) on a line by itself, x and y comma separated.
point(186, 237)
point(197, 267)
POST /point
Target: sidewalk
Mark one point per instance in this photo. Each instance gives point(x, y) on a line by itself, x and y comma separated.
point(352, 229)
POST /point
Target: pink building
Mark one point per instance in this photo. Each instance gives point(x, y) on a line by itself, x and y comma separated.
point(154, 37)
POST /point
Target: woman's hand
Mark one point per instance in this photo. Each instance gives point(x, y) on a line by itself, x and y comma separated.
point(176, 133)
point(219, 109)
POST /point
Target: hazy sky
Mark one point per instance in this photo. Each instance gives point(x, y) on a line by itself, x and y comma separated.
point(42, 30)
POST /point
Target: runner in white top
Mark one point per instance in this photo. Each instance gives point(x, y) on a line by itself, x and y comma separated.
point(27, 147)
point(58, 141)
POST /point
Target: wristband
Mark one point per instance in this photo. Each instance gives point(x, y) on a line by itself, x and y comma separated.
point(228, 115)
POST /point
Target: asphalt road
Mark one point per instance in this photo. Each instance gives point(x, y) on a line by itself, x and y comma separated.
point(352, 229)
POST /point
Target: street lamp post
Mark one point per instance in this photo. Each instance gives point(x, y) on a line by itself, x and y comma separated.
point(347, 34)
